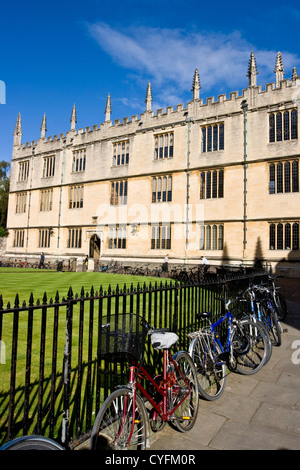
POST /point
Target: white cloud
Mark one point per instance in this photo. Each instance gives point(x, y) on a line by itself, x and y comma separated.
point(168, 57)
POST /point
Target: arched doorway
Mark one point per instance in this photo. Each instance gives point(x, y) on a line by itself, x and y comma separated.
point(95, 245)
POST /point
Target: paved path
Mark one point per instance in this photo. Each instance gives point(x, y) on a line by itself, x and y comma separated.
point(260, 412)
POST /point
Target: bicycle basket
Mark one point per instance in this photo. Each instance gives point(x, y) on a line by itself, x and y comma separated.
point(122, 335)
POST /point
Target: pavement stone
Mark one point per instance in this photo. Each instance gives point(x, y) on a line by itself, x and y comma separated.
point(256, 412)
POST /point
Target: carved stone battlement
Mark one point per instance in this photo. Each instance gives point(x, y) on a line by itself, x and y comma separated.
point(197, 108)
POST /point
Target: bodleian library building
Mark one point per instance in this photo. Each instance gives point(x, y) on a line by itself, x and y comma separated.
point(218, 179)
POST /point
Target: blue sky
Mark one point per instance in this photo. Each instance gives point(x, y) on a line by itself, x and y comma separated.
point(55, 54)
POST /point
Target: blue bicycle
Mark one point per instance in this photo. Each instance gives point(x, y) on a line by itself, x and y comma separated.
point(264, 310)
point(242, 348)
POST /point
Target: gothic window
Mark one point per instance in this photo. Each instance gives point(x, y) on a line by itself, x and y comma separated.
point(76, 197)
point(283, 126)
point(118, 193)
point(117, 238)
point(213, 137)
point(284, 177)
point(49, 167)
point(44, 238)
point(284, 236)
point(79, 160)
point(46, 196)
point(163, 146)
point(212, 184)
point(74, 238)
point(18, 239)
point(23, 171)
point(161, 237)
point(211, 237)
point(21, 202)
point(162, 189)
point(121, 153)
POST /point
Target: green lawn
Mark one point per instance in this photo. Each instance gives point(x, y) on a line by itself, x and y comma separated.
point(24, 282)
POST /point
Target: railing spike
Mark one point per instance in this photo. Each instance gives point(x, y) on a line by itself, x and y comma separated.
point(17, 301)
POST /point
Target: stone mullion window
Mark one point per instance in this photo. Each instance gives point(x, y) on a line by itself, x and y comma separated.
point(211, 237)
point(49, 167)
point(118, 192)
point(117, 238)
point(79, 161)
point(284, 236)
point(46, 200)
point(76, 197)
point(44, 238)
point(23, 171)
point(283, 126)
point(161, 237)
point(212, 184)
point(21, 202)
point(284, 177)
point(213, 137)
point(18, 239)
point(121, 153)
point(163, 146)
point(162, 189)
point(74, 238)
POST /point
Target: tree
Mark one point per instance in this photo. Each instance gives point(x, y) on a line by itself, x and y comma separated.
point(4, 192)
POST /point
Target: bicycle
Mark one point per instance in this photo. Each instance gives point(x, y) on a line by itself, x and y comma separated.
point(267, 313)
point(279, 300)
point(257, 314)
point(243, 349)
point(123, 421)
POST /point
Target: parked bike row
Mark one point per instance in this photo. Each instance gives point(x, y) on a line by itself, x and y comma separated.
point(148, 401)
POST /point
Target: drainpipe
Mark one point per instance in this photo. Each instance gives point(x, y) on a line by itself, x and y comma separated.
point(244, 107)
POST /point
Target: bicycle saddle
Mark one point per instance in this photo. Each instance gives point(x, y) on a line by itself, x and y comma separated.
point(161, 340)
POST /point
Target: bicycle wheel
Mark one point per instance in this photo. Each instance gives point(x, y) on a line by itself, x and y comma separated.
point(250, 347)
point(32, 443)
point(211, 371)
point(120, 424)
point(271, 322)
point(183, 397)
point(266, 333)
point(281, 305)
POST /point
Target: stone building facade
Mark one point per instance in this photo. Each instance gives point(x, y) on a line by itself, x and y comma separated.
point(218, 178)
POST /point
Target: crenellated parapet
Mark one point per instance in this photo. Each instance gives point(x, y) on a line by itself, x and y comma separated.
point(195, 109)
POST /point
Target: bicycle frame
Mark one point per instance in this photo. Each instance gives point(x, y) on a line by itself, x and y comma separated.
point(213, 326)
point(163, 390)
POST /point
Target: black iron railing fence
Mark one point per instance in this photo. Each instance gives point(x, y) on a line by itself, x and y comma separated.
point(53, 379)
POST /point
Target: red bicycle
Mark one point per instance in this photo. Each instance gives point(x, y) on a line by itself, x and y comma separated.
point(123, 421)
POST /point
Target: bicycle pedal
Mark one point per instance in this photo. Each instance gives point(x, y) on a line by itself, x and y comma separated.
point(285, 330)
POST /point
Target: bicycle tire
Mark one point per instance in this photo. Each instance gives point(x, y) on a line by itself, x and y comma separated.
point(184, 414)
point(249, 346)
point(113, 424)
point(32, 443)
point(211, 371)
point(272, 324)
point(268, 338)
point(281, 305)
